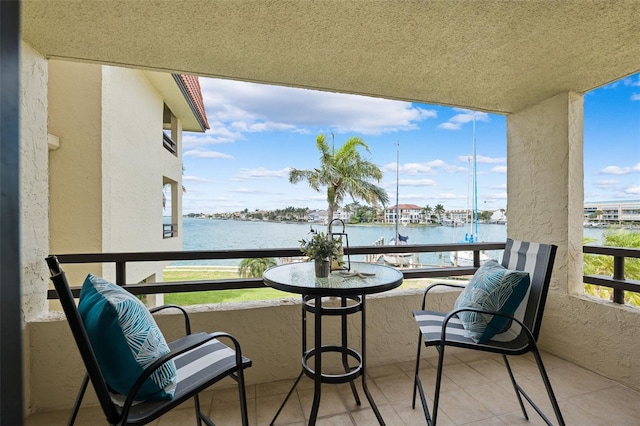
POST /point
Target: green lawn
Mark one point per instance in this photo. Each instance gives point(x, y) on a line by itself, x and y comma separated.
point(222, 296)
point(216, 296)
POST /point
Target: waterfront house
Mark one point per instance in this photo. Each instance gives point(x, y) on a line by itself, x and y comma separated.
point(531, 61)
point(406, 214)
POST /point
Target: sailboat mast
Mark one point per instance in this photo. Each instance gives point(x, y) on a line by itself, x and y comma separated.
point(397, 189)
point(475, 185)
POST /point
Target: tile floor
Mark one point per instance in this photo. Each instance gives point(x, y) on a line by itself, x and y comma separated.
point(476, 391)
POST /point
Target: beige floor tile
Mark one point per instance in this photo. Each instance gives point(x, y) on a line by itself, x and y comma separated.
point(280, 387)
point(366, 417)
point(572, 381)
point(474, 392)
point(228, 413)
point(336, 420)
point(494, 398)
point(331, 401)
point(395, 388)
point(464, 376)
point(349, 400)
point(493, 421)
point(384, 370)
point(493, 369)
point(428, 379)
point(597, 405)
point(462, 408)
point(267, 407)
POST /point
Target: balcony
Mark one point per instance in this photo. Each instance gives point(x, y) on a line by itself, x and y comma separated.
point(476, 391)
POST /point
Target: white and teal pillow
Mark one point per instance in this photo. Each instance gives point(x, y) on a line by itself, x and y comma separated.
point(125, 339)
point(492, 288)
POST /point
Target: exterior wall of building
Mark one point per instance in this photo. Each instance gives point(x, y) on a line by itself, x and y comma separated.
point(612, 211)
point(109, 121)
point(75, 168)
point(134, 163)
point(545, 174)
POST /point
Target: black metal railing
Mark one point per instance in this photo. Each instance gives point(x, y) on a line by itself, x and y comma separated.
point(169, 144)
point(122, 259)
point(169, 230)
point(618, 281)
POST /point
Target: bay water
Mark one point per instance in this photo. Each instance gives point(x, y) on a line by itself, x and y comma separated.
point(214, 234)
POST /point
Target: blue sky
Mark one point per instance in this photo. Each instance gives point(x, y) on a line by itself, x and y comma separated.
point(258, 132)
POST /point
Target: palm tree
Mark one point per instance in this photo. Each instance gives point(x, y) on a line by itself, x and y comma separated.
point(255, 267)
point(343, 172)
point(439, 211)
point(426, 211)
point(603, 265)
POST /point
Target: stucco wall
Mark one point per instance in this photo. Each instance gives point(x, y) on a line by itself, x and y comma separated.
point(75, 116)
point(111, 157)
point(545, 174)
point(134, 163)
point(269, 333)
point(34, 201)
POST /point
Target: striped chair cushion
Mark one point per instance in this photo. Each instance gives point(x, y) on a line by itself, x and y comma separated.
point(196, 369)
point(430, 323)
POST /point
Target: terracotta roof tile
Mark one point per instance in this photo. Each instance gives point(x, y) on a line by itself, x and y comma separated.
point(192, 84)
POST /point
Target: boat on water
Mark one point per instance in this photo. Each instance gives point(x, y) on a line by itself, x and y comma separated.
point(465, 257)
point(399, 259)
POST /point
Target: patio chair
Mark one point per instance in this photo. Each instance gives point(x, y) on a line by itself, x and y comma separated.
point(200, 360)
point(516, 332)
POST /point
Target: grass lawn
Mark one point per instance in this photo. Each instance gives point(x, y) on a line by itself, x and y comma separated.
point(216, 296)
point(243, 295)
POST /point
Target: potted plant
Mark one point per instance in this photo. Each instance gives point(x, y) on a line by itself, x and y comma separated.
point(322, 249)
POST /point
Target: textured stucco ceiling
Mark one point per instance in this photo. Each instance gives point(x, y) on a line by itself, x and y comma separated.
point(498, 56)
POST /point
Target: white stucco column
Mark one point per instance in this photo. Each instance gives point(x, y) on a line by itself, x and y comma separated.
point(34, 182)
point(545, 182)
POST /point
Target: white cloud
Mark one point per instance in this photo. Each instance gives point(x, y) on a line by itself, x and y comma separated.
point(499, 169)
point(501, 186)
point(615, 170)
point(464, 116)
point(251, 107)
point(261, 173)
point(635, 96)
point(636, 168)
point(633, 190)
point(497, 196)
point(482, 159)
point(416, 182)
point(606, 183)
point(414, 168)
point(194, 179)
point(203, 153)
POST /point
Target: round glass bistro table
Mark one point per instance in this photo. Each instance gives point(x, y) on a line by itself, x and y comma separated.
point(350, 287)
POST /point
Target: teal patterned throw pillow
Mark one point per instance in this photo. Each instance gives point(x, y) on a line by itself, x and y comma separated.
point(492, 288)
point(125, 339)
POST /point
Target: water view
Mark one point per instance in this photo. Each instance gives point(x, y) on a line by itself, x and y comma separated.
point(207, 234)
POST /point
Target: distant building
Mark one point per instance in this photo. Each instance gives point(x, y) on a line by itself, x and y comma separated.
point(408, 213)
point(612, 212)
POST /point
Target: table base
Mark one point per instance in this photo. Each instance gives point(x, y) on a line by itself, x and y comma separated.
point(313, 304)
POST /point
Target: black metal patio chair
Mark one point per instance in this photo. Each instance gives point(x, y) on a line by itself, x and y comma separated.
point(441, 329)
point(200, 360)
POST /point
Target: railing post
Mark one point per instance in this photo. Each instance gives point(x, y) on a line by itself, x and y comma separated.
point(121, 273)
point(618, 274)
